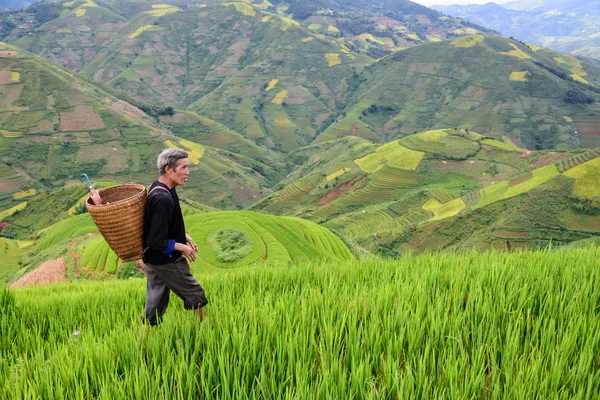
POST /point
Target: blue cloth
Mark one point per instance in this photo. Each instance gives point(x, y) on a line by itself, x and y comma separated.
point(170, 248)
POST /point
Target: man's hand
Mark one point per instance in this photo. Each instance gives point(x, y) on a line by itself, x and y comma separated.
point(186, 251)
point(191, 242)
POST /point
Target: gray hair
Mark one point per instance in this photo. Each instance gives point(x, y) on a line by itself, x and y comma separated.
point(169, 157)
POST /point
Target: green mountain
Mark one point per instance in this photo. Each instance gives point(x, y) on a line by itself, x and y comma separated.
point(280, 76)
point(492, 85)
point(238, 64)
point(442, 189)
point(55, 125)
point(566, 26)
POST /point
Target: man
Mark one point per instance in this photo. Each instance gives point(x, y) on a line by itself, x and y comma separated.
point(167, 245)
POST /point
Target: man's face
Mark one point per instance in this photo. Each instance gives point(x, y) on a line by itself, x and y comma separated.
point(179, 174)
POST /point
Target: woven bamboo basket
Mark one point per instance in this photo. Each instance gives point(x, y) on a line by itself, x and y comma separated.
point(120, 219)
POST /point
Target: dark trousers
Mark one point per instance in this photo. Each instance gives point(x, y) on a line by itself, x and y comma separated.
point(164, 278)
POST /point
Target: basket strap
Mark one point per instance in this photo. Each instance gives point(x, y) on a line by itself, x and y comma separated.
point(161, 188)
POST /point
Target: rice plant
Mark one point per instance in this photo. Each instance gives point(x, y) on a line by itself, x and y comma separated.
point(456, 326)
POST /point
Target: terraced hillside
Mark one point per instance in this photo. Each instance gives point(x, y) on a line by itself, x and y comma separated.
point(226, 239)
point(55, 125)
point(79, 29)
point(283, 75)
point(443, 189)
point(491, 85)
point(246, 66)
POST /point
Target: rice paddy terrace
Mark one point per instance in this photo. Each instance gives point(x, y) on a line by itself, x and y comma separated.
point(443, 189)
point(68, 239)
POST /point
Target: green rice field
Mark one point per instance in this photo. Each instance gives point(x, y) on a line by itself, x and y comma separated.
point(521, 325)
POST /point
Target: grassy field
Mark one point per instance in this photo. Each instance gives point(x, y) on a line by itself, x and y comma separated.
point(460, 326)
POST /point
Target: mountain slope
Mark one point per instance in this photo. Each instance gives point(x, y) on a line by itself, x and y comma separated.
point(492, 85)
point(55, 126)
point(570, 27)
point(275, 80)
point(442, 189)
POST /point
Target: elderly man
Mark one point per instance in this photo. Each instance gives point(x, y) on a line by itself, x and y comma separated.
point(168, 247)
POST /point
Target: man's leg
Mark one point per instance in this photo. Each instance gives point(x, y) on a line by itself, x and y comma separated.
point(178, 278)
point(157, 297)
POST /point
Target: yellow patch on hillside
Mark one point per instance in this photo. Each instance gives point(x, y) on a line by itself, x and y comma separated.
point(7, 213)
point(535, 48)
point(279, 97)
point(272, 84)
point(573, 64)
point(337, 173)
point(314, 27)
point(332, 29)
point(68, 4)
point(307, 39)
point(24, 243)
point(194, 150)
point(413, 36)
point(567, 119)
point(381, 40)
point(519, 76)
point(160, 10)
point(587, 176)
point(244, 8)
point(333, 59)
point(401, 28)
point(143, 29)
point(516, 53)
point(24, 193)
point(64, 30)
point(15, 76)
point(435, 39)
point(467, 41)
point(266, 18)
point(10, 134)
point(80, 12)
point(579, 79)
point(460, 32)
point(264, 5)
point(443, 211)
point(392, 154)
point(539, 177)
point(471, 31)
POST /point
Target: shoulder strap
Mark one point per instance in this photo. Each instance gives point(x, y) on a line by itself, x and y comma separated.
point(161, 188)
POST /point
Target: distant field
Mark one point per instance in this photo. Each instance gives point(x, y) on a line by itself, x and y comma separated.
point(392, 154)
